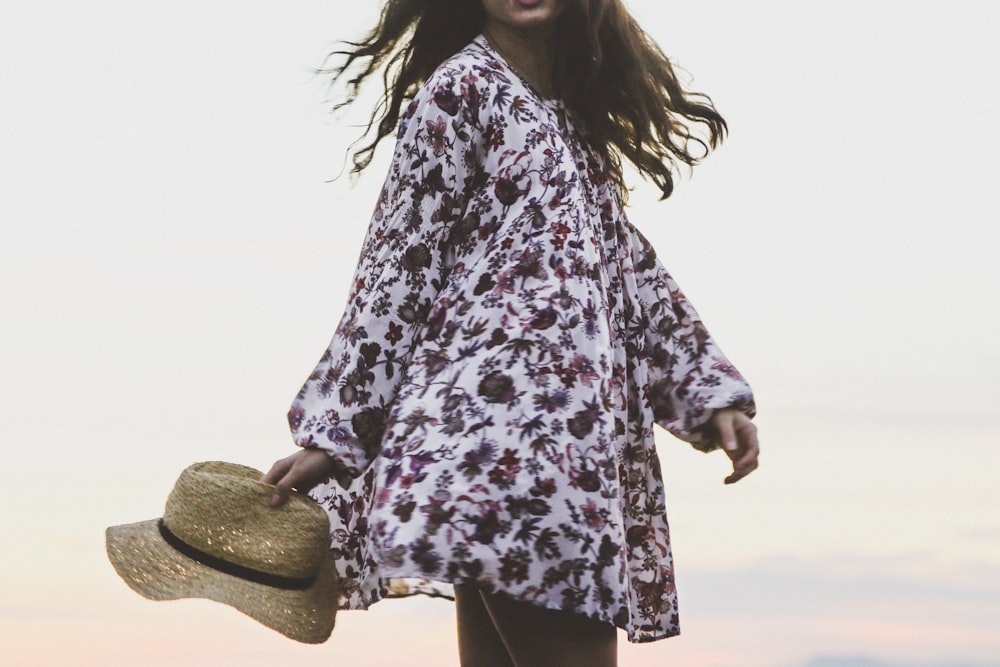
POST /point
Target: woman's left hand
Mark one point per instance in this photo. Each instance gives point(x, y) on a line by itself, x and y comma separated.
point(301, 471)
point(738, 437)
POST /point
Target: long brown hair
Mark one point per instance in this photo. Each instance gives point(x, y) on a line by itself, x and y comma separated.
point(606, 69)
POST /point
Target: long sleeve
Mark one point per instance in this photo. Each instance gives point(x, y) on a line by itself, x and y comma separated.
point(689, 377)
point(343, 406)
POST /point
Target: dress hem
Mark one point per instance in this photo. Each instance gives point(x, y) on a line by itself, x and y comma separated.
point(365, 605)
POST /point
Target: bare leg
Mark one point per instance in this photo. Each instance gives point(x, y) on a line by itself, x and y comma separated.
point(537, 637)
point(479, 645)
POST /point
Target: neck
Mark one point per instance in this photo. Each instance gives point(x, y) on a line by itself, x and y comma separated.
point(527, 52)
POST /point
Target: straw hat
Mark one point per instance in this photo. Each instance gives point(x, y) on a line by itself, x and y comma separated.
point(220, 539)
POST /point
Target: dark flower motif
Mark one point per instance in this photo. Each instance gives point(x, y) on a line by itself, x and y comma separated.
point(370, 353)
point(473, 462)
point(423, 554)
point(665, 327)
point(586, 479)
point(435, 179)
point(580, 425)
point(417, 257)
point(453, 424)
point(514, 566)
point(543, 319)
point(510, 459)
point(532, 426)
point(473, 568)
point(407, 312)
point(404, 510)
point(348, 395)
point(394, 334)
point(507, 191)
point(436, 361)
point(501, 477)
point(498, 337)
point(647, 261)
point(544, 487)
point(486, 525)
point(661, 401)
point(497, 387)
point(465, 230)
point(607, 552)
point(638, 536)
point(530, 265)
point(537, 216)
point(546, 546)
point(437, 513)
point(369, 424)
point(447, 100)
point(484, 285)
point(658, 357)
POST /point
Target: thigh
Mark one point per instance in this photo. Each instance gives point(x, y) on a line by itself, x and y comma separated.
point(479, 644)
point(537, 637)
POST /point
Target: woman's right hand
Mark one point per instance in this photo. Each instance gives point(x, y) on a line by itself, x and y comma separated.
point(301, 471)
point(738, 438)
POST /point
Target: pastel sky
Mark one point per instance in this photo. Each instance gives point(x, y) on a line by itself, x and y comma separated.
point(173, 262)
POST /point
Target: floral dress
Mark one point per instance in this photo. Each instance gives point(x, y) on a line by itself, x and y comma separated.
point(510, 339)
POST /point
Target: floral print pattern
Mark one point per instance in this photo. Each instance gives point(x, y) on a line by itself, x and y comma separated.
point(509, 341)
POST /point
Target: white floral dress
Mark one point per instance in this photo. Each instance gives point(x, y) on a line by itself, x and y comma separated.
point(509, 341)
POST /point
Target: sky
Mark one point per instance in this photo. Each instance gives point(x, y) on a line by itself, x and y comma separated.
point(174, 258)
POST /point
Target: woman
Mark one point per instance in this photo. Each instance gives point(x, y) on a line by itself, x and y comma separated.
point(483, 416)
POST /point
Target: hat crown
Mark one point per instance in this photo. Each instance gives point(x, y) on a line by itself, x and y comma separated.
point(223, 510)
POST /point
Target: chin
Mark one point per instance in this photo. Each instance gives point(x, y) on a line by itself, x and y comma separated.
point(526, 14)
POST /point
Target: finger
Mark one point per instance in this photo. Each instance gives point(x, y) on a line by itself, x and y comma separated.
point(283, 489)
point(750, 458)
point(749, 445)
point(277, 471)
point(282, 476)
point(727, 435)
point(741, 473)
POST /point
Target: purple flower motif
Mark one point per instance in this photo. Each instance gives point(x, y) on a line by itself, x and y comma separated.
point(338, 435)
point(473, 462)
point(551, 402)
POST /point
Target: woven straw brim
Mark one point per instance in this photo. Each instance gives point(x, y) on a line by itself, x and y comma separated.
point(155, 570)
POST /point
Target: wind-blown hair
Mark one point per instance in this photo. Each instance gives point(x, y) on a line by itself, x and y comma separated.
point(607, 70)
